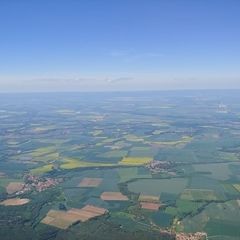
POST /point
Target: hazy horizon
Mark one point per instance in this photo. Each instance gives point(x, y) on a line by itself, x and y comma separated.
point(91, 46)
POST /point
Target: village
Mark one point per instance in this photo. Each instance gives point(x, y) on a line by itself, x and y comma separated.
point(156, 166)
point(36, 183)
point(191, 236)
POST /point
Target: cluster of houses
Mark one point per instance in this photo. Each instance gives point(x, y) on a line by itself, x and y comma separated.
point(38, 184)
point(157, 166)
point(192, 236)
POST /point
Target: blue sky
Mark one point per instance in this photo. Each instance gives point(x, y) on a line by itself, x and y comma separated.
point(98, 45)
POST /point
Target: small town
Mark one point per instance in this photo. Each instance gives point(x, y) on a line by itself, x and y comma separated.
point(191, 236)
point(38, 184)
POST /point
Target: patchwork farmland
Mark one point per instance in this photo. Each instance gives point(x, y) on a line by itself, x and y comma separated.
point(81, 168)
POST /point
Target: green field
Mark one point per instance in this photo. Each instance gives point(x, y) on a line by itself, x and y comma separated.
point(158, 186)
point(218, 171)
point(199, 194)
point(63, 139)
point(217, 219)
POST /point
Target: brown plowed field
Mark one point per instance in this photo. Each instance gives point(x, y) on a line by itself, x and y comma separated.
point(150, 206)
point(113, 196)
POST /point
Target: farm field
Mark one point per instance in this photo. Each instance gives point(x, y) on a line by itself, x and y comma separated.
point(220, 171)
point(124, 164)
point(217, 219)
point(199, 194)
point(158, 186)
point(15, 202)
point(63, 220)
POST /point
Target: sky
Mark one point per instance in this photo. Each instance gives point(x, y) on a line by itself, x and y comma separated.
point(111, 45)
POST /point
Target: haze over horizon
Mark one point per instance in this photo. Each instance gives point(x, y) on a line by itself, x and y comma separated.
point(108, 45)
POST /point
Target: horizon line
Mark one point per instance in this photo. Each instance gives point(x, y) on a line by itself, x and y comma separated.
point(123, 91)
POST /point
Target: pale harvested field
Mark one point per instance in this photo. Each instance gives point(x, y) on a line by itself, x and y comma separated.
point(57, 222)
point(94, 209)
point(88, 212)
point(14, 187)
point(60, 219)
point(150, 206)
point(113, 196)
point(15, 202)
point(64, 219)
point(148, 198)
point(90, 182)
